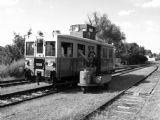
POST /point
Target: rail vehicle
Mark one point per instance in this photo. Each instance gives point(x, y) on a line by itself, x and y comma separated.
point(59, 58)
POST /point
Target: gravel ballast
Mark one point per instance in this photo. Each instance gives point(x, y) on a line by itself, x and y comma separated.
point(13, 89)
point(71, 104)
point(151, 109)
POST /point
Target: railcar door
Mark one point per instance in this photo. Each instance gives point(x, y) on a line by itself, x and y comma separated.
point(98, 61)
point(39, 61)
point(39, 66)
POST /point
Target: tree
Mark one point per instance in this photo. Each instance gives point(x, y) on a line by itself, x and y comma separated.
point(16, 51)
point(149, 53)
point(108, 32)
point(9, 57)
point(18, 46)
point(2, 54)
point(105, 30)
point(133, 54)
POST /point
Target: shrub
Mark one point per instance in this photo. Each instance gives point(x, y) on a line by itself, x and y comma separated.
point(137, 59)
point(15, 69)
point(3, 71)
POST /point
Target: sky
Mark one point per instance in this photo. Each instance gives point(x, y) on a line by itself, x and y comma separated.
point(138, 19)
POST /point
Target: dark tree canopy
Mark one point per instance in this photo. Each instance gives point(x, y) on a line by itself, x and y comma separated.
point(105, 29)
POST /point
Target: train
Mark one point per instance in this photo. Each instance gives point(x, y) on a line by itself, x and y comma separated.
point(59, 58)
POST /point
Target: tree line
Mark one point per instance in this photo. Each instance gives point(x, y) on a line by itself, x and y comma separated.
point(14, 51)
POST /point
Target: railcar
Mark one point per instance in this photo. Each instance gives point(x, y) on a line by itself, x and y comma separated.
point(57, 57)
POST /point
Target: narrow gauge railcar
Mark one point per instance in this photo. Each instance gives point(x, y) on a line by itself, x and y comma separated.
point(57, 57)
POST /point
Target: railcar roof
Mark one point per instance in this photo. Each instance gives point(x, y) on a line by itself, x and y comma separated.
point(49, 36)
point(100, 42)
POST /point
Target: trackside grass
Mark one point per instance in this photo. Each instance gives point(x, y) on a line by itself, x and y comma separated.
point(15, 69)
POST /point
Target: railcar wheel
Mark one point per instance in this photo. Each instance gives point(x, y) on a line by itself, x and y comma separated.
point(27, 75)
point(38, 78)
point(105, 86)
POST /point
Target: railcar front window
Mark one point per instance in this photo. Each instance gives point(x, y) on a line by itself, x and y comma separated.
point(50, 48)
point(29, 48)
point(40, 46)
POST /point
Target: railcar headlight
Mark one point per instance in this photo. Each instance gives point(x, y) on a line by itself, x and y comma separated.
point(46, 63)
point(51, 63)
point(28, 62)
point(54, 64)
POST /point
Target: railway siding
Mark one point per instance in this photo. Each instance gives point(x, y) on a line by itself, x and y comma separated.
point(72, 103)
point(14, 89)
point(129, 105)
point(151, 109)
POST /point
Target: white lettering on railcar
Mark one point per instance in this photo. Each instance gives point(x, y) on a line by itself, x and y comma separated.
point(38, 64)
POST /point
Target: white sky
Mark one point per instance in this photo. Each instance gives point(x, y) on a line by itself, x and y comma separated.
point(138, 19)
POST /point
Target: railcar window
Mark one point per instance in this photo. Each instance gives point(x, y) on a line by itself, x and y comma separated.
point(50, 48)
point(81, 48)
point(91, 49)
point(29, 48)
point(105, 52)
point(110, 53)
point(39, 46)
point(66, 49)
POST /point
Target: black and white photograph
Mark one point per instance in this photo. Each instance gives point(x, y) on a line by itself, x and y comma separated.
point(79, 60)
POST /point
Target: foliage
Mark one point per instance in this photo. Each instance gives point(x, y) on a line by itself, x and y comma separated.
point(129, 53)
point(149, 52)
point(14, 69)
point(137, 59)
point(16, 51)
point(2, 55)
point(3, 71)
point(157, 57)
point(132, 53)
point(105, 29)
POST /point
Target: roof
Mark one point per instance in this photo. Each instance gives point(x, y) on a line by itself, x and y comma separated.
point(100, 42)
point(49, 36)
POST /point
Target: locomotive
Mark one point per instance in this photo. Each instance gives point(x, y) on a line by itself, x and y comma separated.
point(59, 58)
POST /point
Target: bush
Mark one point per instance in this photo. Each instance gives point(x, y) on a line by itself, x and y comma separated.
point(3, 71)
point(137, 59)
point(15, 69)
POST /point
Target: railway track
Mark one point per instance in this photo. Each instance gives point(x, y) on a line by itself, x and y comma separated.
point(127, 103)
point(13, 82)
point(21, 96)
point(10, 83)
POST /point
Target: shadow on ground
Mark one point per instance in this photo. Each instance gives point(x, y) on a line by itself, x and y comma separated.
point(116, 85)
